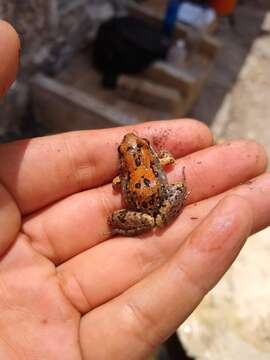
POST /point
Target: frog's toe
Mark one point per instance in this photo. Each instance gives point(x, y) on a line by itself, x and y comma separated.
point(116, 183)
point(159, 221)
point(166, 158)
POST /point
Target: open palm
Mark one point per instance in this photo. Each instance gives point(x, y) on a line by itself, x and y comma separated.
point(70, 291)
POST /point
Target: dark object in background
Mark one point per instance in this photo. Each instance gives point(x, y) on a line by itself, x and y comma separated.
point(127, 45)
point(171, 17)
point(173, 349)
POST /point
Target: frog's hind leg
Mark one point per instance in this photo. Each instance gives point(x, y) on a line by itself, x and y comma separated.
point(166, 158)
point(173, 205)
point(130, 223)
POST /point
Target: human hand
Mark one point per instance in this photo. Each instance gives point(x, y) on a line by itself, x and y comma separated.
point(68, 290)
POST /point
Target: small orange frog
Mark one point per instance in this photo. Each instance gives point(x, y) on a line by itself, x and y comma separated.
point(149, 199)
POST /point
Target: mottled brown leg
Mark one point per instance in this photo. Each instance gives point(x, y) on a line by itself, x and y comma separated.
point(130, 223)
point(173, 205)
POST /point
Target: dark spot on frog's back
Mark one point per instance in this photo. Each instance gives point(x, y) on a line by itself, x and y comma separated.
point(144, 204)
point(138, 161)
point(155, 212)
point(137, 185)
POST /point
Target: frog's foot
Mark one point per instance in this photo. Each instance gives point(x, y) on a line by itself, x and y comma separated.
point(166, 158)
point(173, 205)
point(130, 223)
point(116, 183)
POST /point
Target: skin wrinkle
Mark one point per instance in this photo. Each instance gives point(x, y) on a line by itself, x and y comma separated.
point(12, 220)
point(93, 164)
point(70, 160)
point(133, 313)
point(49, 242)
point(5, 300)
point(157, 257)
point(12, 348)
point(65, 279)
point(147, 257)
point(82, 166)
point(184, 273)
point(46, 149)
point(107, 205)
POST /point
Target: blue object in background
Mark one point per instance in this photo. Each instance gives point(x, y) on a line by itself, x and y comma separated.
point(171, 17)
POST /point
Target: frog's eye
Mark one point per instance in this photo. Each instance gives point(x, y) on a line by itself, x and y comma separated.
point(147, 182)
point(147, 141)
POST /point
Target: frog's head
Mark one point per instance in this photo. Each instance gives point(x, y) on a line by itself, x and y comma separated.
point(132, 142)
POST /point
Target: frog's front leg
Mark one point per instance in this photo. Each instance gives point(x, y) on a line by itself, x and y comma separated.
point(172, 205)
point(130, 223)
point(116, 183)
point(165, 158)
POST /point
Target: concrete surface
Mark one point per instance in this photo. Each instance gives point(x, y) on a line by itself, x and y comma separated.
point(233, 321)
point(65, 108)
point(237, 44)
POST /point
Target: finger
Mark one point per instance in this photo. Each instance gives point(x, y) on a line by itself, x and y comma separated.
point(150, 311)
point(84, 215)
point(212, 171)
point(128, 260)
point(256, 191)
point(41, 171)
point(10, 220)
point(9, 55)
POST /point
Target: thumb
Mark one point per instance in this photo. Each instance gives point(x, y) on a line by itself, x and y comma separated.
point(9, 55)
point(10, 220)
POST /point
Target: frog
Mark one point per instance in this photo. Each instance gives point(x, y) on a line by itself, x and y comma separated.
point(150, 201)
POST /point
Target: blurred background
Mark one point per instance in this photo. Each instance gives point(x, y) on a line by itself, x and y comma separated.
point(88, 64)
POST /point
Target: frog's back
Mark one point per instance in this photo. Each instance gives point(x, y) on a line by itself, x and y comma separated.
point(142, 177)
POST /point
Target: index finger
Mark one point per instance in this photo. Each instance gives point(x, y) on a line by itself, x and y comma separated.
point(9, 55)
point(44, 170)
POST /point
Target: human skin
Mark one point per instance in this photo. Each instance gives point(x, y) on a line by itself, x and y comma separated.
point(70, 291)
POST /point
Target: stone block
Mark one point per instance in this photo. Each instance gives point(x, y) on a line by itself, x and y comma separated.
point(150, 94)
point(62, 108)
point(171, 76)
